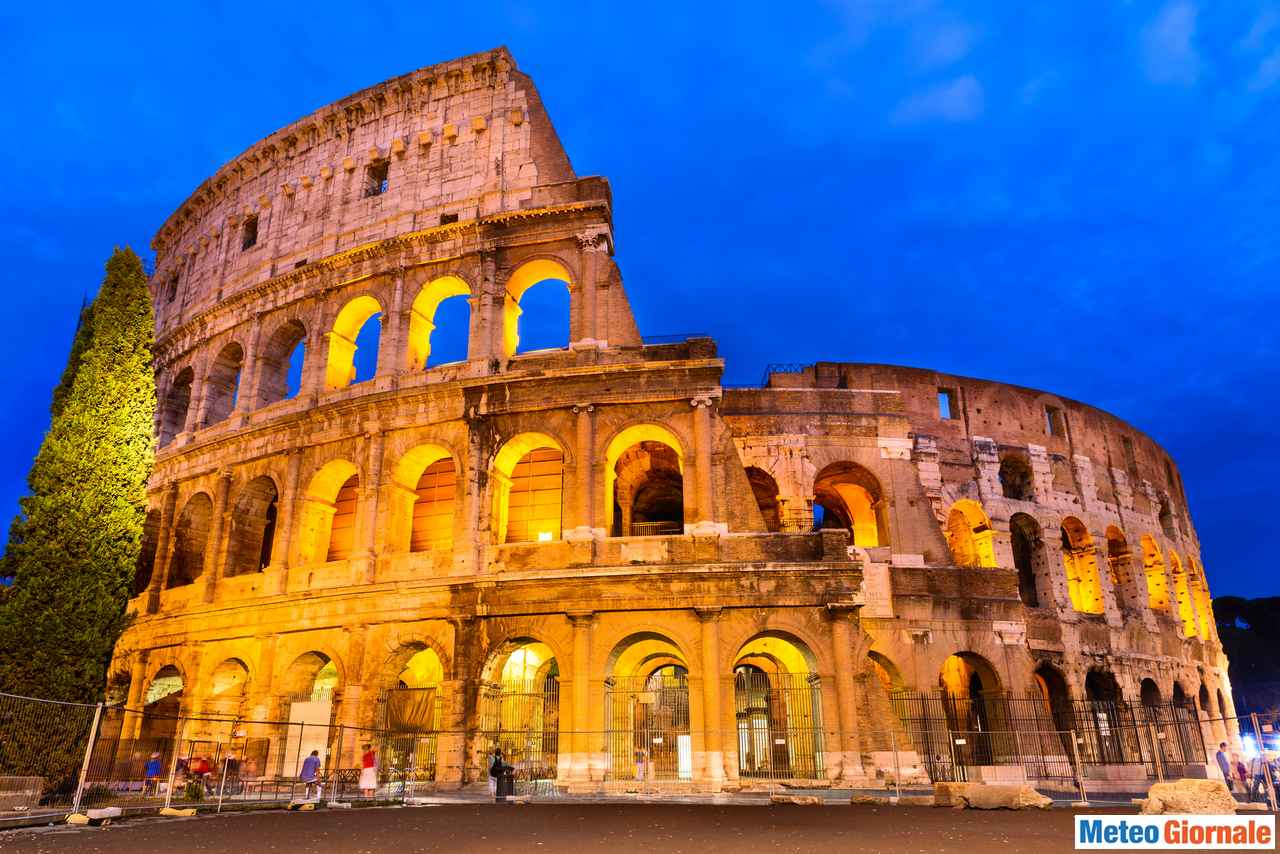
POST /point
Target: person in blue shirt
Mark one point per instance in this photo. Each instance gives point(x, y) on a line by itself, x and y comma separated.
point(151, 774)
point(310, 769)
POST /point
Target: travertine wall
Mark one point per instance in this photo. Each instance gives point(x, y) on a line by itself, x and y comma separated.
point(743, 565)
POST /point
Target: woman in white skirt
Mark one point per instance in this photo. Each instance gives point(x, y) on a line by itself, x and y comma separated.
point(368, 772)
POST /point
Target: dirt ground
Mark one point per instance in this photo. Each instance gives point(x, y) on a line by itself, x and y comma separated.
point(620, 829)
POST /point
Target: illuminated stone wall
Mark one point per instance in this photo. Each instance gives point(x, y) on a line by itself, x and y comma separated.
point(604, 504)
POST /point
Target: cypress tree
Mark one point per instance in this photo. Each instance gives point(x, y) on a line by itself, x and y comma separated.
point(80, 530)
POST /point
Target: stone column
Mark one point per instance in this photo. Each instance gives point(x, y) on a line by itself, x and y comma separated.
point(131, 726)
point(391, 345)
point(215, 548)
point(702, 466)
point(580, 761)
point(365, 557)
point(250, 372)
point(584, 329)
point(712, 715)
point(164, 548)
point(842, 616)
point(352, 696)
point(584, 455)
point(281, 552)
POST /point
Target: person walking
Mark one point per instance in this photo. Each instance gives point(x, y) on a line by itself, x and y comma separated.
point(1257, 768)
point(368, 772)
point(151, 776)
point(1224, 765)
point(310, 768)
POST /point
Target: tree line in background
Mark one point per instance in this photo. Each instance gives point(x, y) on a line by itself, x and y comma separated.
point(73, 548)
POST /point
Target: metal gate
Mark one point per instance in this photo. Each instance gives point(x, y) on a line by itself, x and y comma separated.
point(647, 719)
point(779, 722)
point(523, 719)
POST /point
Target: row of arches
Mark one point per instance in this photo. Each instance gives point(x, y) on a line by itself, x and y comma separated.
point(438, 327)
point(1140, 580)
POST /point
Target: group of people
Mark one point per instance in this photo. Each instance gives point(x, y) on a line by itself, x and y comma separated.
point(1253, 776)
point(309, 773)
point(194, 769)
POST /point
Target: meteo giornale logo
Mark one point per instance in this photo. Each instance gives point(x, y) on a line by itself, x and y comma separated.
point(1174, 832)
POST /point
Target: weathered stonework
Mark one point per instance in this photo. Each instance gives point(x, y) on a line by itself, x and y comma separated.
point(958, 522)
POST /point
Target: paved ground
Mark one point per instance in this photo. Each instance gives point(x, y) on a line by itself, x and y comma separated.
point(619, 829)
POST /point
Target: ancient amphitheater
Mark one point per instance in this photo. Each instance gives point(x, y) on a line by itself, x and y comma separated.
point(600, 557)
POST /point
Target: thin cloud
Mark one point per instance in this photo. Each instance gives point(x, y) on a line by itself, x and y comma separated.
point(958, 100)
point(1169, 54)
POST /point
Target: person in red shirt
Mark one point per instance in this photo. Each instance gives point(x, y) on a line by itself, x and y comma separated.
point(368, 772)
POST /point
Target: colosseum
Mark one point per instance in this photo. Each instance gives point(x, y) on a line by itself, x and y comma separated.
point(600, 557)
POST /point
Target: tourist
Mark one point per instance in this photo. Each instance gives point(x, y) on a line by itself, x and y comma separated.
point(1242, 772)
point(368, 772)
point(151, 776)
point(1224, 765)
point(1257, 768)
point(495, 771)
point(641, 762)
point(310, 768)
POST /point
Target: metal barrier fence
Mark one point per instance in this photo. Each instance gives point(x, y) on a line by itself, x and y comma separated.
point(57, 757)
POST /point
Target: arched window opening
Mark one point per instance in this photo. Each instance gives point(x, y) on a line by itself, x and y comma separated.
point(974, 704)
point(1120, 568)
point(528, 486)
point(1166, 519)
point(1222, 705)
point(1015, 478)
point(147, 555)
point(846, 495)
point(342, 533)
point(1153, 569)
point(1024, 535)
point(519, 708)
point(432, 528)
point(1182, 593)
point(1052, 687)
point(190, 538)
point(223, 385)
point(1203, 699)
point(647, 710)
point(353, 343)
point(765, 490)
point(280, 366)
point(162, 702)
point(969, 535)
point(1201, 599)
point(1080, 560)
point(1149, 693)
point(309, 685)
point(251, 537)
point(227, 687)
point(537, 320)
point(648, 491)
point(167, 684)
point(778, 710)
point(177, 402)
point(438, 323)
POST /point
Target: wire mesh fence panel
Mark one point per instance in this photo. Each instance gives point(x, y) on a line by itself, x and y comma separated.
point(42, 750)
point(522, 719)
point(648, 736)
point(779, 725)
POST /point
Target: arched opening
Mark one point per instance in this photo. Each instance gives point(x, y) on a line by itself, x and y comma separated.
point(327, 522)
point(528, 482)
point(1222, 706)
point(549, 305)
point(969, 535)
point(1015, 478)
point(252, 534)
point(227, 686)
point(190, 539)
point(1153, 569)
point(162, 705)
point(222, 387)
point(427, 327)
point(644, 482)
point(177, 402)
point(765, 490)
point(1203, 699)
point(778, 710)
point(422, 508)
point(1149, 693)
point(1182, 593)
point(146, 565)
point(846, 495)
point(1024, 536)
point(974, 703)
point(413, 704)
point(1052, 687)
point(1200, 596)
point(353, 343)
point(519, 706)
point(1120, 568)
point(1080, 560)
point(280, 365)
point(309, 685)
point(1179, 694)
point(1103, 693)
point(647, 711)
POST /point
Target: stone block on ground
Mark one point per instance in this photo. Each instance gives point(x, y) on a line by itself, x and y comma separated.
point(178, 813)
point(989, 796)
point(798, 800)
point(1189, 797)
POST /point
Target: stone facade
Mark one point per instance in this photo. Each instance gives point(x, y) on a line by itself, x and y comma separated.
point(599, 513)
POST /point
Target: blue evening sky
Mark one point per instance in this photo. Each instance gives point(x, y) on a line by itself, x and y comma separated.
point(1080, 197)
